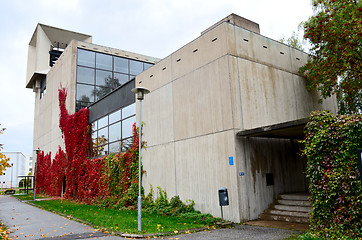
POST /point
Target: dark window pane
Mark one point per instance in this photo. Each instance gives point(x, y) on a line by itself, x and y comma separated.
point(103, 122)
point(104, 61)
point(115, 132)
point(127, 127)
point(121, 65)
point(85, 75)
point(136, 67)
point(85, 93)
point(129, 110)
point(100, 92)
point(147, 66)
point(80, 105)
point(115, 117)
point(103, 78)
point(120, 78)
point(86, 58)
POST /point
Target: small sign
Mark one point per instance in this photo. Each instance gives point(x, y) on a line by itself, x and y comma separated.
point(231, 161)
point(241, 174)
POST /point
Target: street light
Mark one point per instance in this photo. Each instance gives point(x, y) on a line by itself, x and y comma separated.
point(34, 179)
point(140, 92)
point(11, 182)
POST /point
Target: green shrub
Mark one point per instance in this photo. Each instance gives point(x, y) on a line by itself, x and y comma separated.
point(334, 182)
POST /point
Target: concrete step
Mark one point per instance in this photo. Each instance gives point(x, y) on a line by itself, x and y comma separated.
point(292, 208)
point(294, 202)
point(284, 218)
point(287, 213)
point(294, 196)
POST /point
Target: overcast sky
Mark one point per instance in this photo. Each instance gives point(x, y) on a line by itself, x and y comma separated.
point(151, 27)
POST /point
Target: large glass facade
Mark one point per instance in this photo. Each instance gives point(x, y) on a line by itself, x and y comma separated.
point(113, 132)
point(98, 74)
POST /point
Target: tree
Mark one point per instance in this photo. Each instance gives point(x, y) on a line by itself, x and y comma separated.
point(4, 161)
point(335, 33)
point(293, 41)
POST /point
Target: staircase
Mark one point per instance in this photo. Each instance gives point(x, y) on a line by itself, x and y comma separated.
point(293, 207)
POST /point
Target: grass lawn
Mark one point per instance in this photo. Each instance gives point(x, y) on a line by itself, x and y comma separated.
point(29, 196)
point(121, 220)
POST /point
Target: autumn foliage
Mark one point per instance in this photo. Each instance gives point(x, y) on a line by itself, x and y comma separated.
point(335, 67)
point(107, 180)
point(4, 161)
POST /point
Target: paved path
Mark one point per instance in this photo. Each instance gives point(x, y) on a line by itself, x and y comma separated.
point(28, 222)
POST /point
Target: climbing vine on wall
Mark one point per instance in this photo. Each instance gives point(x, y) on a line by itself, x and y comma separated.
point(75, 130)
point(336, 192)
point(111, 179)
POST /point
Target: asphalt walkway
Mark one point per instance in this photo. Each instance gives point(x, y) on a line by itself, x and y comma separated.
point(29, 222)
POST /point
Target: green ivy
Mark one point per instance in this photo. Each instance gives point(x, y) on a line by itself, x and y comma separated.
point(334, 180)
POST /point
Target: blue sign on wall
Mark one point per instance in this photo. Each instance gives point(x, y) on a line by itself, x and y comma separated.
point(241, 174)
point(231, 161)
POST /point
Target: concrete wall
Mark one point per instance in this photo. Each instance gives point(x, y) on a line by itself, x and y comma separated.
point(258, 156)
point(227, 80)
point(47, 134)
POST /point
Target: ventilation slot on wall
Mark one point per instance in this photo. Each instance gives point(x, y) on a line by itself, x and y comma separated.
point(281, 53)
point(246, 40)
point(213, 40)
point(195, 50)
point(151, 75)
point(265, 47)
point(140, 82)
point(297, 59)
point(163, 68)
point(178, 60)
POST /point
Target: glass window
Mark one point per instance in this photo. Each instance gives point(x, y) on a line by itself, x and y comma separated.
point(79, 105)
point(94, 139)
point(129, 110)
point(86, 58)
point(103, 78)
point(85, 75)
point(147, 66)
point(120, 79)
point(115, 132)
point(103, 150)
point(85, 93)
point(103, 135)
point(103, 122)
point(127, 127)
point(100, 92)
point(136, 67)
point(126, 144)
point(115, 147)
point(104, 61)
point(115, 117)
point(94, 126)
point(121, 65)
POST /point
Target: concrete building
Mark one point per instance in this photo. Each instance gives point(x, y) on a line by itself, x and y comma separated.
point(61, 58)
point(10, 178)
point(227, 110)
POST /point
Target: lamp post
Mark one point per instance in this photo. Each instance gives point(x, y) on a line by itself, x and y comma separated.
point(140, 92)
point(11, 181)
point(34, 179)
